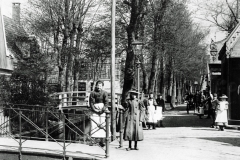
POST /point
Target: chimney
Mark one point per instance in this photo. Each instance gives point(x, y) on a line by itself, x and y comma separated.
point(16, 12)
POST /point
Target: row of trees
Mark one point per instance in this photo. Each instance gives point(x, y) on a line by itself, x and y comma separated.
point(72, 30)
point(174, 51)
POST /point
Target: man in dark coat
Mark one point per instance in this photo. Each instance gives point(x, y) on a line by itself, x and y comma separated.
point(160, 102)
point(208, 100)
point(133, 130)
point(215, 103)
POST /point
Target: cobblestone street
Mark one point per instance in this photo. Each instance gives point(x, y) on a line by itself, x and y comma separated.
point(184, 137)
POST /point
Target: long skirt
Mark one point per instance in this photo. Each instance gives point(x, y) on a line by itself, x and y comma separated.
point(98, 124)
point(96, 121)
point(221, 118)
point(158, 113)
point(152, 118)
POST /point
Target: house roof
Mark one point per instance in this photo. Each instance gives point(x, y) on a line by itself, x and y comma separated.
point(6, 65)
point(13, 30)
point(230, 41)
point(10, 33)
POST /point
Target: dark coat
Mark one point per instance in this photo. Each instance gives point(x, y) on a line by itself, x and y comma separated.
point(160, 102)
point(133, 130)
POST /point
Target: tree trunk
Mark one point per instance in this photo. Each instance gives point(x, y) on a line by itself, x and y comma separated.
point(154, 60)
point(179, 90)
point(170, 84)
point(173, 98)
point(144, 78)
point(129, 65)
point(161, 89)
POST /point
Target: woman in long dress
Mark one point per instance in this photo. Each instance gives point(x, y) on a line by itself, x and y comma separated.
point(151, 110)
point(98, 103)
point(133, 130)
point(221, 119)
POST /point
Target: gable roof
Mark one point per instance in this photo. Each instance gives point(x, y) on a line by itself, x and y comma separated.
point(6, 62)
point(14, 31)
point(230, 41)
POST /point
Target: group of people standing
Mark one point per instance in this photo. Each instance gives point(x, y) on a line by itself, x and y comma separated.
point(215, 107)
point(138, 113)
point(153, 111)
point(147, 112)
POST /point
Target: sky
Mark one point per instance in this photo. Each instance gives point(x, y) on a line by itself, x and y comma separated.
point(198, 17)
point(7, 6)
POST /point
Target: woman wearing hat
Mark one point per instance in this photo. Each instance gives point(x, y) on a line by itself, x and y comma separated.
point(221, 119)
point(133, 130)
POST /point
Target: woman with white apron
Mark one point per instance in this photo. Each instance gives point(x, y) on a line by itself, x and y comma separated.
point(98, 103)
point(151, 107)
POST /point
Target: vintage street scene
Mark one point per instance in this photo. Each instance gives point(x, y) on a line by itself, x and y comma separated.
point(119, 79)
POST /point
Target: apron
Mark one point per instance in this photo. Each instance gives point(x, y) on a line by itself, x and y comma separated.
point(152, 118)
point(96, 120)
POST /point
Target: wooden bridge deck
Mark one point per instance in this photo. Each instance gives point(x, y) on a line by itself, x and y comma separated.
point(34, 147)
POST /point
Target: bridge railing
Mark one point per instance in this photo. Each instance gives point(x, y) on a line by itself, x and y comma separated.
point(25, 122)
point(67, 119)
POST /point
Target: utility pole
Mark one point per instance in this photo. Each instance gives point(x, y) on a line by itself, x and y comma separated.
point(113, 109)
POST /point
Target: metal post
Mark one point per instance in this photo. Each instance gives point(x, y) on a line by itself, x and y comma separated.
point(120, 126)
point(10, 123)
point(138, 82)
point(107, 132)
point(46, 121)
point(228, 89)
point(75, 134)
point(20, 135)
point(84, 136)
point(64, 140)
point(113, 115)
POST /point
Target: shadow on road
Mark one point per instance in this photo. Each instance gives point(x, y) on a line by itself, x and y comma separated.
point(179, 118)
point(233, 141)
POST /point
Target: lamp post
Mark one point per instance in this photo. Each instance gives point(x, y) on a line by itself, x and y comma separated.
point(195, 84)
point(113, 36)
point(137, 48)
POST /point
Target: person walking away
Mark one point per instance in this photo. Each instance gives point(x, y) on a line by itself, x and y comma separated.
point(98, 103)
point(186, 99)
point(160, 109)
point(221, 119)
point(189, 99)
point(198, 100)
point(195, 100)
point(133, 130)
point(145, 112)
point(151, 107)
point(202, 104)
point(215, 103)
point(208, 103)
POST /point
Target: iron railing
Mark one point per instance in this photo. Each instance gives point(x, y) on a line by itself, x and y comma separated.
point(65, 122)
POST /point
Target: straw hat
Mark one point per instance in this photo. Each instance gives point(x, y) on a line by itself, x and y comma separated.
point(223, 96)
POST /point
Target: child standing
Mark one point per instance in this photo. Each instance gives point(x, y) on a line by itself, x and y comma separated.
point(221, 119)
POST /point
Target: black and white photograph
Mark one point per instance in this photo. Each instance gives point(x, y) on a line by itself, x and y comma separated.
point(119, 79)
